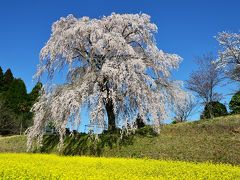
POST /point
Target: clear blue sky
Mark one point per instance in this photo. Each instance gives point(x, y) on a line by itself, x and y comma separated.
point(186, 27)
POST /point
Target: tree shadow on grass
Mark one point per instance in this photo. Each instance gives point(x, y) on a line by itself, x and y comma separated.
point(76, 143)
point(85, 144)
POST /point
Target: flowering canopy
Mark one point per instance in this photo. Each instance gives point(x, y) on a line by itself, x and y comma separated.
point(114, 66)
point(229, 54)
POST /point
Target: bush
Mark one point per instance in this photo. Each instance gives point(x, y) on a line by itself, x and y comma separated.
point(174, 122)
point(234, 104)
point(214, 109)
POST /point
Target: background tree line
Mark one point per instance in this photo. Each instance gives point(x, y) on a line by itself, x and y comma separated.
point(15, 104)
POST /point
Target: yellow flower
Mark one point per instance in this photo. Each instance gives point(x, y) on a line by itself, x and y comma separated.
point(42, 166)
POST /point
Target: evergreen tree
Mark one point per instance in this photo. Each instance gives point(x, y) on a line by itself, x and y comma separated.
point(234, 104)
point(15, 104)
point(8, 124)
point(1, 76)
point(7, 79)
point(8, 76)
point(15, 100)
point(213, 109)
point(1, 79)
point(16, 95)
point(34, 94)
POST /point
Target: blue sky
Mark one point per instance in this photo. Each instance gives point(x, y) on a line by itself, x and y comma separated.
point(186, 27)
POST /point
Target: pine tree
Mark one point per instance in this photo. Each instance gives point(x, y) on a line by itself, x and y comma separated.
point(16, 95)
point(15, 104)
point(16, 100)
point(1, 78)
point(7, 79)
point(1, 74)
point(34, 94)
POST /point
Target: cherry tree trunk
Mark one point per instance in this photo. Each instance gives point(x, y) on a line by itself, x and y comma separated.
point(109, 106)
point(110, 115)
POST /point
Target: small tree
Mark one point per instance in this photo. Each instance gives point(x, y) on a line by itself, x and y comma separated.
point(107, 60)
point(205, 79)
point(184, 108)
point(229, 54)
point(234, 104)
point(214, 109)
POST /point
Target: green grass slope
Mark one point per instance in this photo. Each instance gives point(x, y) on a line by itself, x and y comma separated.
point(13, 144)
point(216, 140)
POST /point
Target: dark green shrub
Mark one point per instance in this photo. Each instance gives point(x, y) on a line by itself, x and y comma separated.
point(174, 122)
point(234, 104)
point(214, 109)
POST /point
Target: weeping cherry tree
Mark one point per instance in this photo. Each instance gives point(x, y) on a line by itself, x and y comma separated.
point(114, 67)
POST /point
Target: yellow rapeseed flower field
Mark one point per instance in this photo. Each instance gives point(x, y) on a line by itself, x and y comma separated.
point(42, 166)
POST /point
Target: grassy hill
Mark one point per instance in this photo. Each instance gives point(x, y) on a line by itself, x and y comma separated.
point(216, 140)
point(13, 144)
